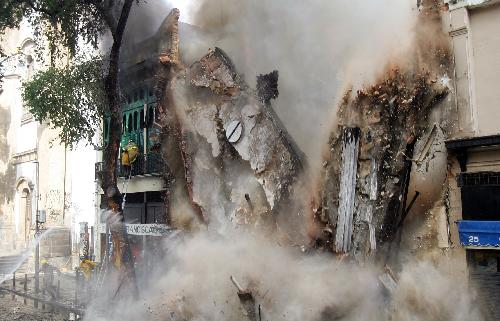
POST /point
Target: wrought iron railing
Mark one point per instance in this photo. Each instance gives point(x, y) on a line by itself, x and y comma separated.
point(149, 164)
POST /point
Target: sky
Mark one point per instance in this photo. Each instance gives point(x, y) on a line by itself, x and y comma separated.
point(185, 6)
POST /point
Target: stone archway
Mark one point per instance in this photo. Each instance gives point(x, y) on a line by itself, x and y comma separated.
point(26, 212)
point(23, 213)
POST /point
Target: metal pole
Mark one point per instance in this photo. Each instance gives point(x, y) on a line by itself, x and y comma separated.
point(77, 284)
point(37, 234)
point(58, 293)
point(13, 284)
point(91, 244)
point(25, 286)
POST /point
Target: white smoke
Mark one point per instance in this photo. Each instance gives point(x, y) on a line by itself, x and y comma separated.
point(318, 47)
point(193, 283)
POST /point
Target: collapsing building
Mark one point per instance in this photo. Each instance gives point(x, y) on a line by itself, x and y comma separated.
point(218, 132)
point(221, 154)
point(228, 138)
point(201, 126)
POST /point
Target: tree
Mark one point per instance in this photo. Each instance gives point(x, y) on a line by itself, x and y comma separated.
point(65, 24)
point(71, 98)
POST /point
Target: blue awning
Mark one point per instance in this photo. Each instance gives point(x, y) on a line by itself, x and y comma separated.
point(479, 233)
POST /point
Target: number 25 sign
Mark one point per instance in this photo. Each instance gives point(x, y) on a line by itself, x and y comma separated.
point(473, 239)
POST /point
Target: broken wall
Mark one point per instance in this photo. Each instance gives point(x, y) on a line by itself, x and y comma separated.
point(388, 118)
point(238, 162)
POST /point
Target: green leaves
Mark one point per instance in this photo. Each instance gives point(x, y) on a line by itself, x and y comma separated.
point(71, 98)
point(63, 24)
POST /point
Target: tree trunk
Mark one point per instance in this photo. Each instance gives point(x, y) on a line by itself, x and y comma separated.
point(121, 256)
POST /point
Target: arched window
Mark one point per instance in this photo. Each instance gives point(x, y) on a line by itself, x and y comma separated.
point(135, 121)
point(124, 123)
point(141, 119)
point(28, 51)
point(129, 123)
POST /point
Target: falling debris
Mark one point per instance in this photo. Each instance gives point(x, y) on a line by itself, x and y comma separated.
point(389, 280)
point(247, 301)
point(385, 119)
point(230, 140)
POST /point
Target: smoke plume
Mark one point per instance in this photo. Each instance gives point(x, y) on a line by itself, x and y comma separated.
point(318, 47)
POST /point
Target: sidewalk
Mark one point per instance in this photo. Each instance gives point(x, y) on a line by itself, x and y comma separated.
point(19, 296)
point(15, 310)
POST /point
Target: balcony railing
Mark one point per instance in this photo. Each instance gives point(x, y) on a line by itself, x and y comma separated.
point(149, 164)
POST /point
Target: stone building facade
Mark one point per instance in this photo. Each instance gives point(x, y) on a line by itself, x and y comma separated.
point(37, 172)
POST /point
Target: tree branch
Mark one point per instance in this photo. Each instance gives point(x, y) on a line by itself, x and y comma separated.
point(104, 8)
point(32, 5)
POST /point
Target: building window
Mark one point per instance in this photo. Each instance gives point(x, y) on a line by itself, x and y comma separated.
point(480, 196)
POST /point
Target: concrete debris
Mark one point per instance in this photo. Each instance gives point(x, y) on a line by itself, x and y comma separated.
point(388, 115)
point(247, 301)
point(388, 280)
point(230, 139)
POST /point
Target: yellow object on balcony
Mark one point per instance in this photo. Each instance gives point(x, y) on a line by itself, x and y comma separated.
point(130, 153)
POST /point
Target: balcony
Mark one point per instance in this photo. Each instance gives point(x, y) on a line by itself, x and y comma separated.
point(151, 164)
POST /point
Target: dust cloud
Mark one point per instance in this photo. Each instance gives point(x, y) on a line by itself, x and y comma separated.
point(320, 48)
point(193, 283)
